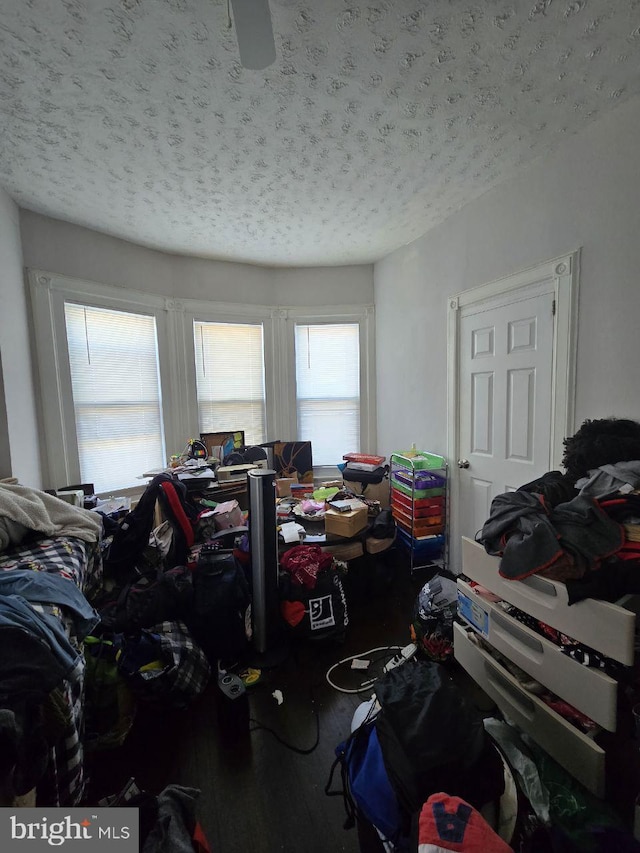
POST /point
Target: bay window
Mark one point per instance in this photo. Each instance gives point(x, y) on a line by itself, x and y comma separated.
point(127, 378)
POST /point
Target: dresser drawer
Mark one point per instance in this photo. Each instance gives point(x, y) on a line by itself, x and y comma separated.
point(576, 752)
point(589, 690)
point(608, 628)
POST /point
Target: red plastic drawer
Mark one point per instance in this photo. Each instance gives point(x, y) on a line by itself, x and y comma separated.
point(419, 509)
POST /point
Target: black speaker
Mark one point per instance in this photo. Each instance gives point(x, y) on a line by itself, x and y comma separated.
point(263, 545)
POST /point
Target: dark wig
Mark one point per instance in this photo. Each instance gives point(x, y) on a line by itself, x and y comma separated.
point(600, 442)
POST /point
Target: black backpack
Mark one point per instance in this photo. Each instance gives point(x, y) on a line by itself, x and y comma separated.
point(159, 595)
point(433, 739)
point(220, 618)
point(132, 536)
point(354, 475)
point(384, 525)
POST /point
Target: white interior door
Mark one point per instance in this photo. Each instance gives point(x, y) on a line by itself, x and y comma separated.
point(510, 386)
point(505, 398)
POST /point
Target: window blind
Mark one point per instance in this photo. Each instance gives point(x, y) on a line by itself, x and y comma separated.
point(328, 389)
point(115, 378)
point(230, 378)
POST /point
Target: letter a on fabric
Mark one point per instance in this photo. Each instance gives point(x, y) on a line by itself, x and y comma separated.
point(448, 823)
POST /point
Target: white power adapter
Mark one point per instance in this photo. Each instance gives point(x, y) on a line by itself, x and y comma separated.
point(403, 655)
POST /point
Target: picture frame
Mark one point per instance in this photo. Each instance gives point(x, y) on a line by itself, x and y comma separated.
point(228, 440)
point(293, 458)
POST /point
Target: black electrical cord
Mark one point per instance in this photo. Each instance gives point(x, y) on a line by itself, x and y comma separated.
point(261, 727)
point(258, 726)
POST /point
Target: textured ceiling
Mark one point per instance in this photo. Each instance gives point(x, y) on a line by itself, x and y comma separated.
point(375, 122)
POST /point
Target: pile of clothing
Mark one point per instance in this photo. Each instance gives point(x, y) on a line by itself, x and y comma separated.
point(576, 527)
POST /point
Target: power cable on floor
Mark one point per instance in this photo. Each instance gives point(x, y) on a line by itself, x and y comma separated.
point(365, 685)
point(258, 726)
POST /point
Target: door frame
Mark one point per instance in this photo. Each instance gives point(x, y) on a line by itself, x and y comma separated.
point(563, 271)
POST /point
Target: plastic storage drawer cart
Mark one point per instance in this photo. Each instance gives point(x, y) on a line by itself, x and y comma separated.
point(419, 506)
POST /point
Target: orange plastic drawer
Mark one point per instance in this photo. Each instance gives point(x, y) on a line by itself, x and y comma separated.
point(418, 532)
point(419, 527)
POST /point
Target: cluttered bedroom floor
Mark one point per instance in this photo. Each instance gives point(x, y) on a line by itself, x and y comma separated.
point(262, 783)
point(261, 767)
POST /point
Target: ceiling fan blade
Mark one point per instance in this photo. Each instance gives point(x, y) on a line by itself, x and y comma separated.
point(252, 20)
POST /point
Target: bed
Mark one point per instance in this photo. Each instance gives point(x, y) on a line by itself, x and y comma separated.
point(49, 578)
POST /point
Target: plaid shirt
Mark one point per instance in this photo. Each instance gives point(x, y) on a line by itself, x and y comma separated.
point(63, 783)
point(185, 669)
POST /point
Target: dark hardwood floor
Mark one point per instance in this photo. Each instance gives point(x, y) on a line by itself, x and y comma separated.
point(256, 794)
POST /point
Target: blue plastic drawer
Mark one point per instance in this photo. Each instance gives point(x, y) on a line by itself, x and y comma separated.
point(426, 547)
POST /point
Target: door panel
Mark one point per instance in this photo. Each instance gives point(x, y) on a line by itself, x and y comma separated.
point(505, 388)
point(520, 407)
point(480, 497)
point(482, 415)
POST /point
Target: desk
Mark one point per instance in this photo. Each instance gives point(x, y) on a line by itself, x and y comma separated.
point(203, 486)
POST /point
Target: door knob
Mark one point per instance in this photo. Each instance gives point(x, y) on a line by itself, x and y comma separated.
point(463, 463)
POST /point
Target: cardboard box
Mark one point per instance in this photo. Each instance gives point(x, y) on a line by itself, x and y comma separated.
point(228, 514)
point(345, 523)
point(283, 486)
point(372, 491)
point(331, 484)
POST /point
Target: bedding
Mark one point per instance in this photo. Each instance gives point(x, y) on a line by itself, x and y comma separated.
point(59, 626)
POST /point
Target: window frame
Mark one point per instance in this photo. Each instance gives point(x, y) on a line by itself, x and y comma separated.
point(209, 312)
point(143, 439)
point(363, 316)
point(49, 292)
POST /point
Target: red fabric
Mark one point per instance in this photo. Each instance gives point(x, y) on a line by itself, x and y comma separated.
point(199, 840)
point(241, 556)
point(292, 612)
point(570, 713)
point(178, 511)
point(303, 562)
point(629, 551)
point(444, 819)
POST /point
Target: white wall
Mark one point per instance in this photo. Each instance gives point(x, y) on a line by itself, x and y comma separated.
point(19, 447)
point(586, 194)
point(317, 286)
point(56, 246)
point(5, 447)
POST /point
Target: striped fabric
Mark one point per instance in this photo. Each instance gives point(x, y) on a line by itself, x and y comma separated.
point(64, 782)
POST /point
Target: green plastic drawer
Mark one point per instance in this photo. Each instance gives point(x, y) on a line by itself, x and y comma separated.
point(419, 462)
point(417, 493)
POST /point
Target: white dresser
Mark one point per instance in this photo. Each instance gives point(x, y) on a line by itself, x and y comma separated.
point(607, 628)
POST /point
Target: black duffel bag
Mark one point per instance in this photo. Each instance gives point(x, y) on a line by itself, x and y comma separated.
point(158, 595)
